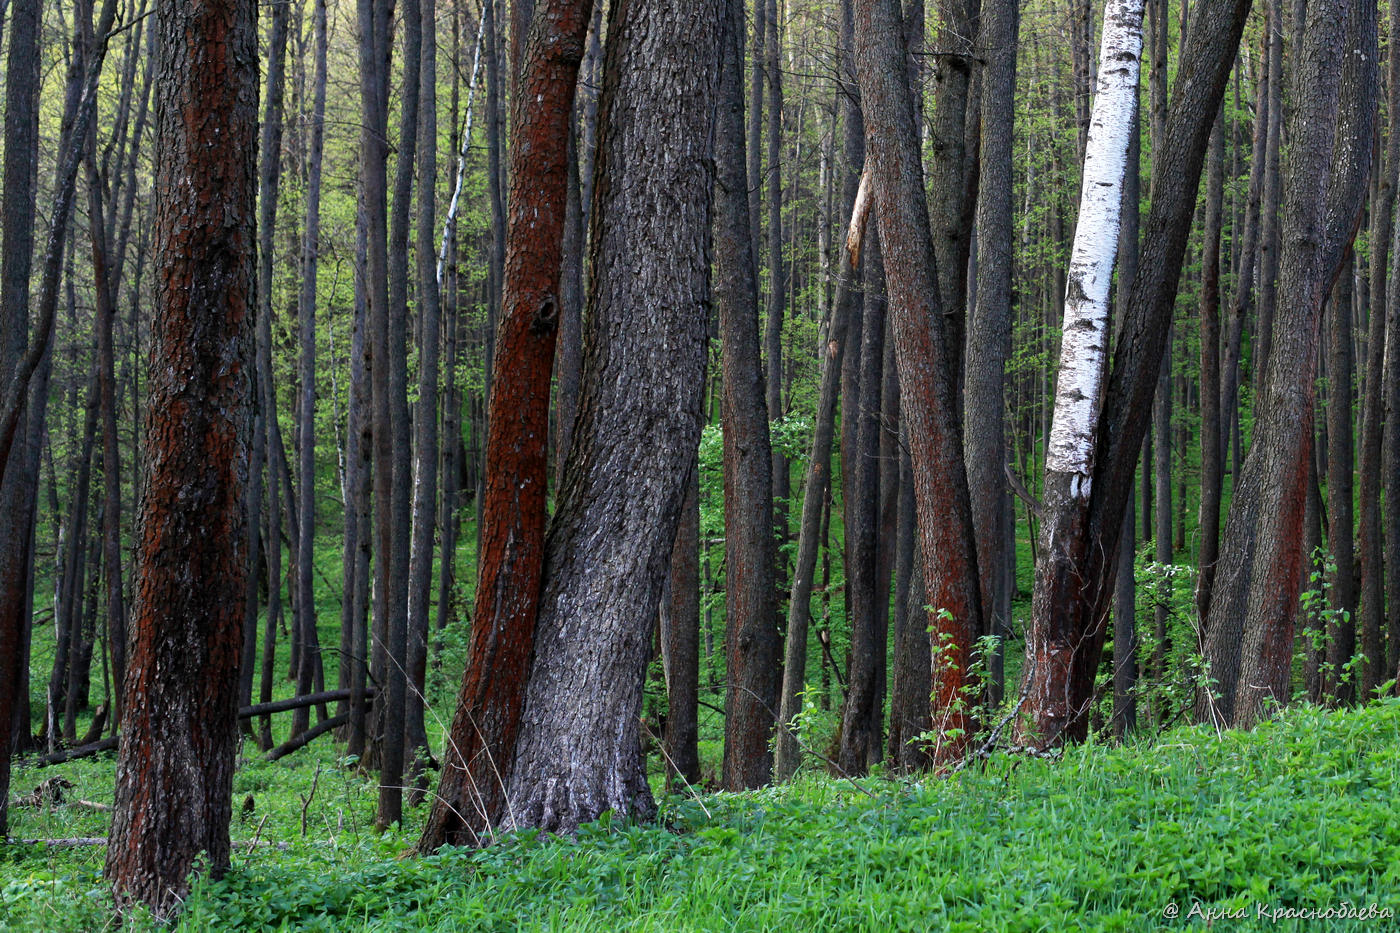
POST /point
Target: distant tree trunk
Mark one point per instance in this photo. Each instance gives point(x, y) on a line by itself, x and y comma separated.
point(753, 641)
point(1212, 453)
point(355, 553)
point(1257, 585)
point(393, 443)
point(579, 752)
point(179, 727)
point(682, 641)
point(470, 799)
point(1341, 642)
point(306, 409)
point(861, 716)
point(1314, 647)
point(818, 481)
point(1125, 631)
point(425, 421)
point(1390, 459)
point(777, 284)
point(1055, 710)
point(1269, 243)
point(1245, 284)
point(1373, 605)
point(989, 332)
point(269, 177)
point(927, 363)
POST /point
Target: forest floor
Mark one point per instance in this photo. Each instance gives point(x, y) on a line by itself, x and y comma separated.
point(1268, 830)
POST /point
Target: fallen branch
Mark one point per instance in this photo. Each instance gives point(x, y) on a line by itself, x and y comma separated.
point(262, 709)
point(301, 741)
point(77, 841)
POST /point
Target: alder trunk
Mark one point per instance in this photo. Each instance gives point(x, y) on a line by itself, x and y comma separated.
point(179, 724)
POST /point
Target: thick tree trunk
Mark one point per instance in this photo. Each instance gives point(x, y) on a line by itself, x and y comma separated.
point(639, 420)
point(175, 765)
point(470, 800)
point(1073, 584)
point(927, 362)
point(753, 641)
point(1055, 713)
point(1329, 159)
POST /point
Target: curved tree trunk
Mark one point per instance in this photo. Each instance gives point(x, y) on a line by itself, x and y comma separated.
point(579, 751)
point(470, 800)
point(927, 362)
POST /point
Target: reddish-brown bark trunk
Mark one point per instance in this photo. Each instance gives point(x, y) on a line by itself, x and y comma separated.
point(179, 726)
point(470, 794)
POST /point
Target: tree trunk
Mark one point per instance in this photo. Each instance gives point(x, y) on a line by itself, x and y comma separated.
point(989, 333)
point(470, 801)
point(306, 409)
point(1212, 452)
point(579, 752)
point(1329, 159)
point(927, 363)
point(175, 764)
point(861, 716)
point(681, 636)
point(753, 641)
point(1055, 713)
point(425, 420)
point(777, 284)
point(1341, 634)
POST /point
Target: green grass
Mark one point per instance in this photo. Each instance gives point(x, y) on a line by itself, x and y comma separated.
point(1296, 815)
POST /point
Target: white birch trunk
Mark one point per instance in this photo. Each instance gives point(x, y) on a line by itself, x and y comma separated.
point(1084, 344)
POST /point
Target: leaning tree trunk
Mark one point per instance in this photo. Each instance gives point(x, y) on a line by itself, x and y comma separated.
point(639, 420)
point(926, 366)
point(180, 726)
point(470, 800)
point(754, 644)
point(1054, 713)
point(1256, 589)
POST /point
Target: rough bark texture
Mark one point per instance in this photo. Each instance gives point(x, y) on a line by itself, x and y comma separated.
point(926, 368)
point(753, 642)
point(610, 540)
point(1256, 588)
point(470, 799)
point(175, 766)
point(21, 132)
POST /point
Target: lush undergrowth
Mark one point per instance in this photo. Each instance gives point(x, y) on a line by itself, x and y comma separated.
point(1298, 816)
